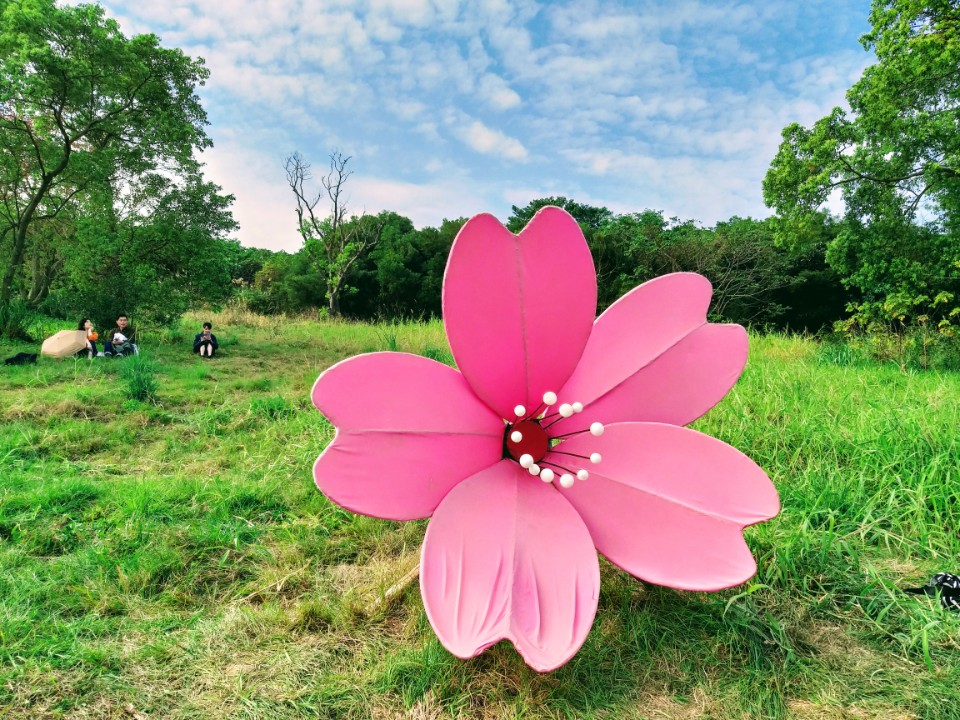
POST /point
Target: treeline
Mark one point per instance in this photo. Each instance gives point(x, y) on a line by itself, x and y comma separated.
point(756, 281)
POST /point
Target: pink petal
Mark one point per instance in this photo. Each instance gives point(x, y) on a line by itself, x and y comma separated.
point(518, 308)
point(652, 357)
point(669, 504)
point(506, 557)
point(408, 430)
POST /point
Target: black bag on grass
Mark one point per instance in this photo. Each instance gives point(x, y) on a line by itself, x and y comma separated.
point(21, 359)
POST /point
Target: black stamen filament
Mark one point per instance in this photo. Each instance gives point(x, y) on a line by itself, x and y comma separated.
point(531, 416)
point(577, 432)
point(556, 421)
point(558, 467)
point(561, 452)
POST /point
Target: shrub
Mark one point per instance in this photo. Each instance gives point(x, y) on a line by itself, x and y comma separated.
point(139, 374)
point(16, 319)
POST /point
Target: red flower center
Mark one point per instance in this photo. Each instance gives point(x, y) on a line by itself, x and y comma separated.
point(534, 441)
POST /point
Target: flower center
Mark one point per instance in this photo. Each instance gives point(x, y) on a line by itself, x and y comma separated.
point(534, 440)
point(527, 441)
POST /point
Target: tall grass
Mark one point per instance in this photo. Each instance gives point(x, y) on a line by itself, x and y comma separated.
point(140, 377)
point(172, 558)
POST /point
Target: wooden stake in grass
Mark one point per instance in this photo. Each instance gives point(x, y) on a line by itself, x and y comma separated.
point(131, 711)
point(391, 592)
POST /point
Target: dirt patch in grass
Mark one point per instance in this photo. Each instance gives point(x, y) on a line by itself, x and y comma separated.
point(808, 710)
point(62, 409)
point(427, 708)
point(661, 705)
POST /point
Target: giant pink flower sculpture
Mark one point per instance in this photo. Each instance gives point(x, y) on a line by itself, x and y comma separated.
point(559, 437)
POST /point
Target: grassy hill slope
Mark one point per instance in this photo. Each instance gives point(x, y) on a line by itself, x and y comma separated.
point(171, 558)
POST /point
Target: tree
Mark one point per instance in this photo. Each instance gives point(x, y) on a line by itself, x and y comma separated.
point(906, 275)
point(814, 297)
point(895, 159)
point(79, 103)
point(336, 241)
point(622, 248)
point(403, 276)
point(587, 216)
point(155, 252)
point(286, 283)
point(737, 256)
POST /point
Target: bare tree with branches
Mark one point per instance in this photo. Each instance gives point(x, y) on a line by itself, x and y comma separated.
point(334, 242)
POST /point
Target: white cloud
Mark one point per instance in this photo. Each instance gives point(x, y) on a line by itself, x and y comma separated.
point(408, 12)
point(426, 203)
point(490, 142)
point(456, 103)
point(264, 205)
point(497, 93)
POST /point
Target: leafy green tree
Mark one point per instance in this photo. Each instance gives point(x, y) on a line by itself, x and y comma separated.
point(80, 103)
point(435, 244)
point(747, 270)
point(737, 256)
point(286, 283)
point(907, 275)
point(814, 296)
point(384, 283)
point(403, 276)
point(895, 160)
point(245, 263)
point(154, 258)
point(623, 247)
point(588, 216)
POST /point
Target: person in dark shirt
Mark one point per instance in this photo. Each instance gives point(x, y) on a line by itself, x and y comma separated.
point(122, 339)
point(205, 342)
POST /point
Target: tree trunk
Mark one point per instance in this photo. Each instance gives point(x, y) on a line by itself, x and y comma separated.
point(333, 301)
point(23, 224)
point(16, 261)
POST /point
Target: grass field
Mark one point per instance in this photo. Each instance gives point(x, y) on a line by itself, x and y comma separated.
point(170, 557)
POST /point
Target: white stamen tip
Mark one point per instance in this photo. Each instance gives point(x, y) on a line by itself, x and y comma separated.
point(526, 461)
point(547, 475)
point(566, 480)
point(549, 398)
point(582, 474)
point(595, 458)
point(578, 407)
point(519, 411)
point(566, 410)
point(534, 469)
point(596, 429)
point(516, 436)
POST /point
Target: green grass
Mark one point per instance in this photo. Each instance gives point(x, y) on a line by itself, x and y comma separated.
point(167, 556)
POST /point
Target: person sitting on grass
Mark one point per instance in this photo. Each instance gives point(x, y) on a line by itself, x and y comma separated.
point(205, 342)
point(122, 339)
point(92, 337)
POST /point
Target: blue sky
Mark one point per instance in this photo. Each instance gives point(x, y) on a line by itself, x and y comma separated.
point(454, 107)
